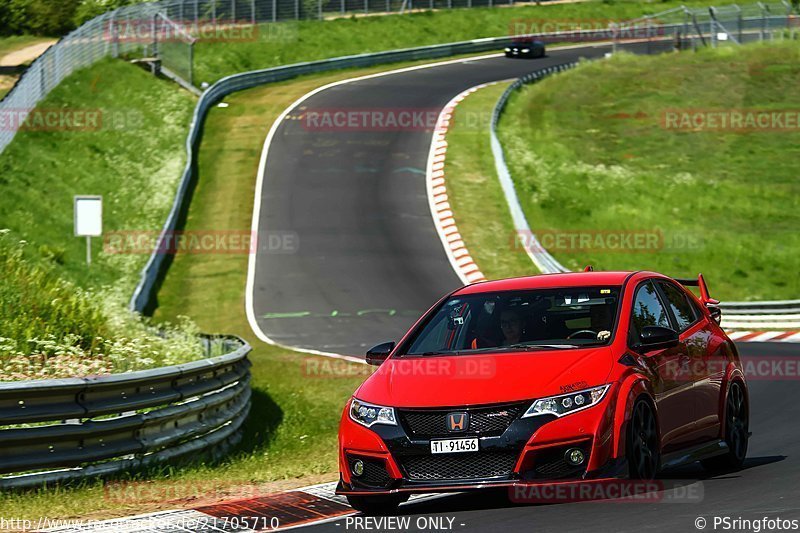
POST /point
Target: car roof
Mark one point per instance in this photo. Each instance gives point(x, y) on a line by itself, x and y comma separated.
point(548, 281)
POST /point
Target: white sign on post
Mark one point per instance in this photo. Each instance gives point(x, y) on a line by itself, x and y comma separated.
point(88, 220)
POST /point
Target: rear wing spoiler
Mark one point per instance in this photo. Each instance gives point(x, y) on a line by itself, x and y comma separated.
point(711, 304)
point(700, 282)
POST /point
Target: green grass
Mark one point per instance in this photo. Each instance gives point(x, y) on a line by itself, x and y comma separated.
point(61, 317)
point(133, 158)
point(588, 152)
point(53, 329)
point(290, 437)
point(474, 191)
point(292, 42)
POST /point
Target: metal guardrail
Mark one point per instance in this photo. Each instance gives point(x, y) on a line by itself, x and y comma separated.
point(543, 260)
point(61, 429)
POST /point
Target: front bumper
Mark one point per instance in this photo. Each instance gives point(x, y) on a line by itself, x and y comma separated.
point(529, 451)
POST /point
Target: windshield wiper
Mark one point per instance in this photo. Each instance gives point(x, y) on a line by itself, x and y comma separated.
point(538, 346)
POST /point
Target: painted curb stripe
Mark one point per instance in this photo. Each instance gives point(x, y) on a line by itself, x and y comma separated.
point(443, 218)
point(764, 336)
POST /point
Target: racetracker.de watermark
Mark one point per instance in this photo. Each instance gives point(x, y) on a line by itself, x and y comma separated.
point(755, 368)
point(447, 367)
point(582, 30)
point(149, 31)
point(731, 120)
point(604, 241)
point(201, 242)
point(369, 119)
point(611, 490)
point(141, 492)
point(51, 120)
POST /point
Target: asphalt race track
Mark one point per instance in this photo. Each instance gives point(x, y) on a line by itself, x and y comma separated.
point(364, 259)
point(769, 486)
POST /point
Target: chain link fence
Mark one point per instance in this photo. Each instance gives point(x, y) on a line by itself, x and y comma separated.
point(717, 25)
point(164, 34)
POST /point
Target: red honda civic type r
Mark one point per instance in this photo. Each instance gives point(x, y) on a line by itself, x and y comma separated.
point(575, 376)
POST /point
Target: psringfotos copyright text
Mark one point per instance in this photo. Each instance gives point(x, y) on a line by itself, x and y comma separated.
point(756, 525)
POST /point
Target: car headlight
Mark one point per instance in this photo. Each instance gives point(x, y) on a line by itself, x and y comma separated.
point(526, 50)
point(567, 403)
point(508, 49)
point(367, 414)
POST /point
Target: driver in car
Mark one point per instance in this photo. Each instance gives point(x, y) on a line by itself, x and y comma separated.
point(511, 327)
point(601, 318)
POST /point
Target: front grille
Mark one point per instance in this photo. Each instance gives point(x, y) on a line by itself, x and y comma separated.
point(484, 421)
point(375, 474)
point(459, 466)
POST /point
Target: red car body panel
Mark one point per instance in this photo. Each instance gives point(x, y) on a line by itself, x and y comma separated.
point(685, 384)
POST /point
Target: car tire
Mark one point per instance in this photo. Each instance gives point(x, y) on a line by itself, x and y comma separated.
point(737, 432)
point(642, 451)
point(376, 505)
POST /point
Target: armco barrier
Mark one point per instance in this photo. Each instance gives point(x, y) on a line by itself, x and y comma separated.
point(61, 429)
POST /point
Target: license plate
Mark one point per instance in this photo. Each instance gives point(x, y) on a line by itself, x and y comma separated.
point(454, 445)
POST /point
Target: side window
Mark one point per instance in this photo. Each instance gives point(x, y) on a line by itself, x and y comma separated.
point(647, 311)
point(681, 307)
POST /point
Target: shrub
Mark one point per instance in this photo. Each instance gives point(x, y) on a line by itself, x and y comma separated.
point(49, 328)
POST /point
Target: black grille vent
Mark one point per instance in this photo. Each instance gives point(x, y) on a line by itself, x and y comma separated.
point(459, 466)
point(551, 464)
point(375, 474)
point(484, 421)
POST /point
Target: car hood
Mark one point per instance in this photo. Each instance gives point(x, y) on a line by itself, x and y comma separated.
point(446, 381)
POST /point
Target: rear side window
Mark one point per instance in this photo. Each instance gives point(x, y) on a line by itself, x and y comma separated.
point(647, 311)
point(682, 308)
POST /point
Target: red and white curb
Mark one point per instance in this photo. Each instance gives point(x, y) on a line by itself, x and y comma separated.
point(764, 336)
point(291, 509)
point(460, 258)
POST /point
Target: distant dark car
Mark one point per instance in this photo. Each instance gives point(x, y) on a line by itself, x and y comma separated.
point(526, 49)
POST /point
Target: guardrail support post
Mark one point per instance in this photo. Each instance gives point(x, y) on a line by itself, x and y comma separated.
point(191, 63)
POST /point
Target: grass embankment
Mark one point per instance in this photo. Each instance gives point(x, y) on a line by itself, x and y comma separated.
point(292, 42)
point(131, 152)
point(61, 317)
point(590, 150)
point(290, 437)
point(589, 155)
point(53, 329)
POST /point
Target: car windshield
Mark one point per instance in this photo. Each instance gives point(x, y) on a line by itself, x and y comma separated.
point(519, 321)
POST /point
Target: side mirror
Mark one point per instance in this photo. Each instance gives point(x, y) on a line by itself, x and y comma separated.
point(716, 312)
point(656, 337)
point(378, 354)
